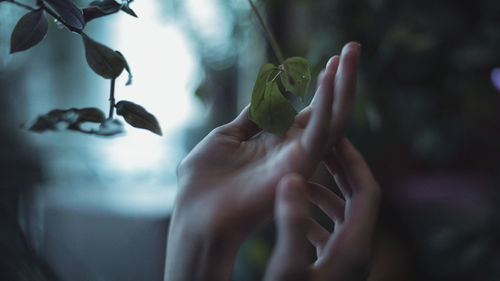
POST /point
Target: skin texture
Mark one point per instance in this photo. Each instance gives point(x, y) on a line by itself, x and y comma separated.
point(228, 181)
point(343, 254)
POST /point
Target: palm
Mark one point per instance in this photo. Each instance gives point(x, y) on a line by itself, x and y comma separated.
point(222, 163)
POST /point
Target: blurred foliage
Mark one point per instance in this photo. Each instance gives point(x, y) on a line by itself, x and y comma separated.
point(31, 29)
point(425, 102)
point(425, 93)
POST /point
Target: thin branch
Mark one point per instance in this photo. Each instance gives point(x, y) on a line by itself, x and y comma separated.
point(272, 41)
point(112, 99)
point(21, 5)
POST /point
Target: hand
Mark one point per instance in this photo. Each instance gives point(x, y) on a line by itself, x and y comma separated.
point(343, 254)
point(227, 183)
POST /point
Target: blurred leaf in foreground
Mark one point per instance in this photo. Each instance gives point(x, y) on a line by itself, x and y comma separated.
point(60, 119)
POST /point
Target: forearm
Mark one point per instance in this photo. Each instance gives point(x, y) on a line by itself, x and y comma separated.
point(197, 254)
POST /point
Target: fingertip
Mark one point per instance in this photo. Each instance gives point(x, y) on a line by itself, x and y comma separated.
point(292, 187)
point(292, 198)
point(332, 63)
point(351, 52)
point(351, 47)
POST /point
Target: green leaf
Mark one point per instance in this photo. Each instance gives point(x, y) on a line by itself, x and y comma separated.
point(138, 117)
point(104, 61)
point(298, 69)
point(29, 31)
point(70, 13)
point(269, 109)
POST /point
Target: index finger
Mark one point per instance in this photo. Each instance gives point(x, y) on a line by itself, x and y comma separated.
point(345, 90)
point(315, 137)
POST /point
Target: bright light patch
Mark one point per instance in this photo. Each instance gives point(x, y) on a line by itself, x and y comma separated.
point(164, 74)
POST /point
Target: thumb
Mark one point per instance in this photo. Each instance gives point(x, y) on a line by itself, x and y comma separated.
point(290, 257)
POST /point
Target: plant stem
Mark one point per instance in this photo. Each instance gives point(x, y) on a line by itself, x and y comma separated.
point(272, 41)
point(112, 99)
point(21, 5)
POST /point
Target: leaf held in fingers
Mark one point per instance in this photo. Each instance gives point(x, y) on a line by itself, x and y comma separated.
point(70, 13)
point(29, 31)
point(104, 61)
point(138, 117)
point(269, 109)
point(298, 68)
point(260, 85)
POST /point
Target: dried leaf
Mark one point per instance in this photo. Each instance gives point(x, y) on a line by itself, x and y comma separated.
point(138, 117)
point(298, 68)
point(127, 10)
point(106, 6)
point(127, 68)
point(29, 31)
point(70, 13)
point(104, 61)
point(269, 109)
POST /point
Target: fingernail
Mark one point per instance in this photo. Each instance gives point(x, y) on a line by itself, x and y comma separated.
point(329, 61)
point(354, 44)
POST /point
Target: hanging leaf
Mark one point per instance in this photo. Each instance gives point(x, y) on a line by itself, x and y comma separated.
point(127, 68)
point(106, 6)
point(269, 109)
point(70, 13)
point(126, 9)
point(138, 117)
point(91, 13)
point(98, 9)
point(298, 68)
point(29, 31)
point(104, 61)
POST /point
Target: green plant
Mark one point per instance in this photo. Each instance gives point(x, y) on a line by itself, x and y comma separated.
point(32, 28)
point(269, 108)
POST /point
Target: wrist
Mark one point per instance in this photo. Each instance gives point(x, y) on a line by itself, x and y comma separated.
point(199, 248)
